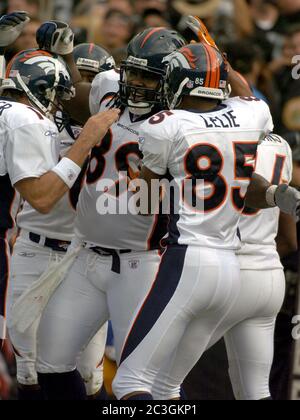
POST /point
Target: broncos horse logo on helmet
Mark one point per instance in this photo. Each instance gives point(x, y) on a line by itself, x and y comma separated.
point(196, 70)
point(43, 78)
point(145, 53)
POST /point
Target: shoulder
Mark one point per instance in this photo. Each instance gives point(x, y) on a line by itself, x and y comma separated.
point(162, 126)
point(248, 102)
point(16, 115)
point(104, 86)
point(106, 81)
point(274, 141)
point(254, 112)
point(273, 146)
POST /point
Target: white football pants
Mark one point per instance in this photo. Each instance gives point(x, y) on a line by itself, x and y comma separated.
point(249, 337)
point(91, 294)
point(29, 261)
point(194, 291)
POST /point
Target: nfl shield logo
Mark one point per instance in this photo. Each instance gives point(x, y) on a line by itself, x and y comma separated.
point(190, 84)
point(133, 264)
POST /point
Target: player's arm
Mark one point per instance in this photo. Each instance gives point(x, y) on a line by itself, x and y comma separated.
point(153, 199)
point(287, 235)
point(262, 195)
point(78, 107)
point(239, 84)
point(156, 147)
point(256, 193)
point(242, 18)
point(57, 37)
point(43, 192)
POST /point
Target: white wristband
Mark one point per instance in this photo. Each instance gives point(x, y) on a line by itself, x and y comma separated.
point(2, 328)
point(67, 170)
point(270, 195)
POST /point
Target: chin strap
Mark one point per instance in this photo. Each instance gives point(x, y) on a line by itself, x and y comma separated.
point(31, 97)
point(178, 93)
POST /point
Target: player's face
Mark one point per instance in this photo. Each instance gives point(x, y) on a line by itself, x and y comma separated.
point(87, 76)
point(142, 79)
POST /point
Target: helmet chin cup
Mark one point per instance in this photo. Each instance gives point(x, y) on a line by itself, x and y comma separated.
point(139, 108)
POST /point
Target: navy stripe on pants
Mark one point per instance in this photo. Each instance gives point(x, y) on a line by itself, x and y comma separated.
point(163, 289)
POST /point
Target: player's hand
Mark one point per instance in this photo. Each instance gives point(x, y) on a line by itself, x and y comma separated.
point(56, 37)
point(11, 26)
point(200, 30)
point(288, 199)
point(97, 126)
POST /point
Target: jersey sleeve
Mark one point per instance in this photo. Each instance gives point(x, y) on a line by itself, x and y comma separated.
point(271, 153)
point(30, 152)
point(260, 165)
point(156, 145)
point(105, 85)
point(265, 117)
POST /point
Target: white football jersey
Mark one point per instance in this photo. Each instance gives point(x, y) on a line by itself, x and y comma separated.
point(215, 149)
point(29, 140)
point(117, 152)
point(29, 147)
point(259, 228)
point(59, 223)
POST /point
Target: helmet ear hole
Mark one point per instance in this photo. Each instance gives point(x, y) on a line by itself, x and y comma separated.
point(41, 87)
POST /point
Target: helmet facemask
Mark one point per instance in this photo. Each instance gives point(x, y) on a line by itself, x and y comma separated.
point(140, 99)
point(145, 53)
point(50, 99)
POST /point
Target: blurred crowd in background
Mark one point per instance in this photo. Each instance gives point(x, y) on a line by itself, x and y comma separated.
point(260, 37)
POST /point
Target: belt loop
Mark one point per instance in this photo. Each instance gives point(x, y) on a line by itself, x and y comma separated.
point(42, 240)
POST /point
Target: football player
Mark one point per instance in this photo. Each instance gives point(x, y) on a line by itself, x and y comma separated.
point(209, 138)
point(44, 239)
point(250, 343)
point(121, 252)
point(250, 324)
point(35, 84)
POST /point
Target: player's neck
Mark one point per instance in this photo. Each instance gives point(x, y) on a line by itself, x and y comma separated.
point(24, 100)
point(201, 104)
point(16, 96)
